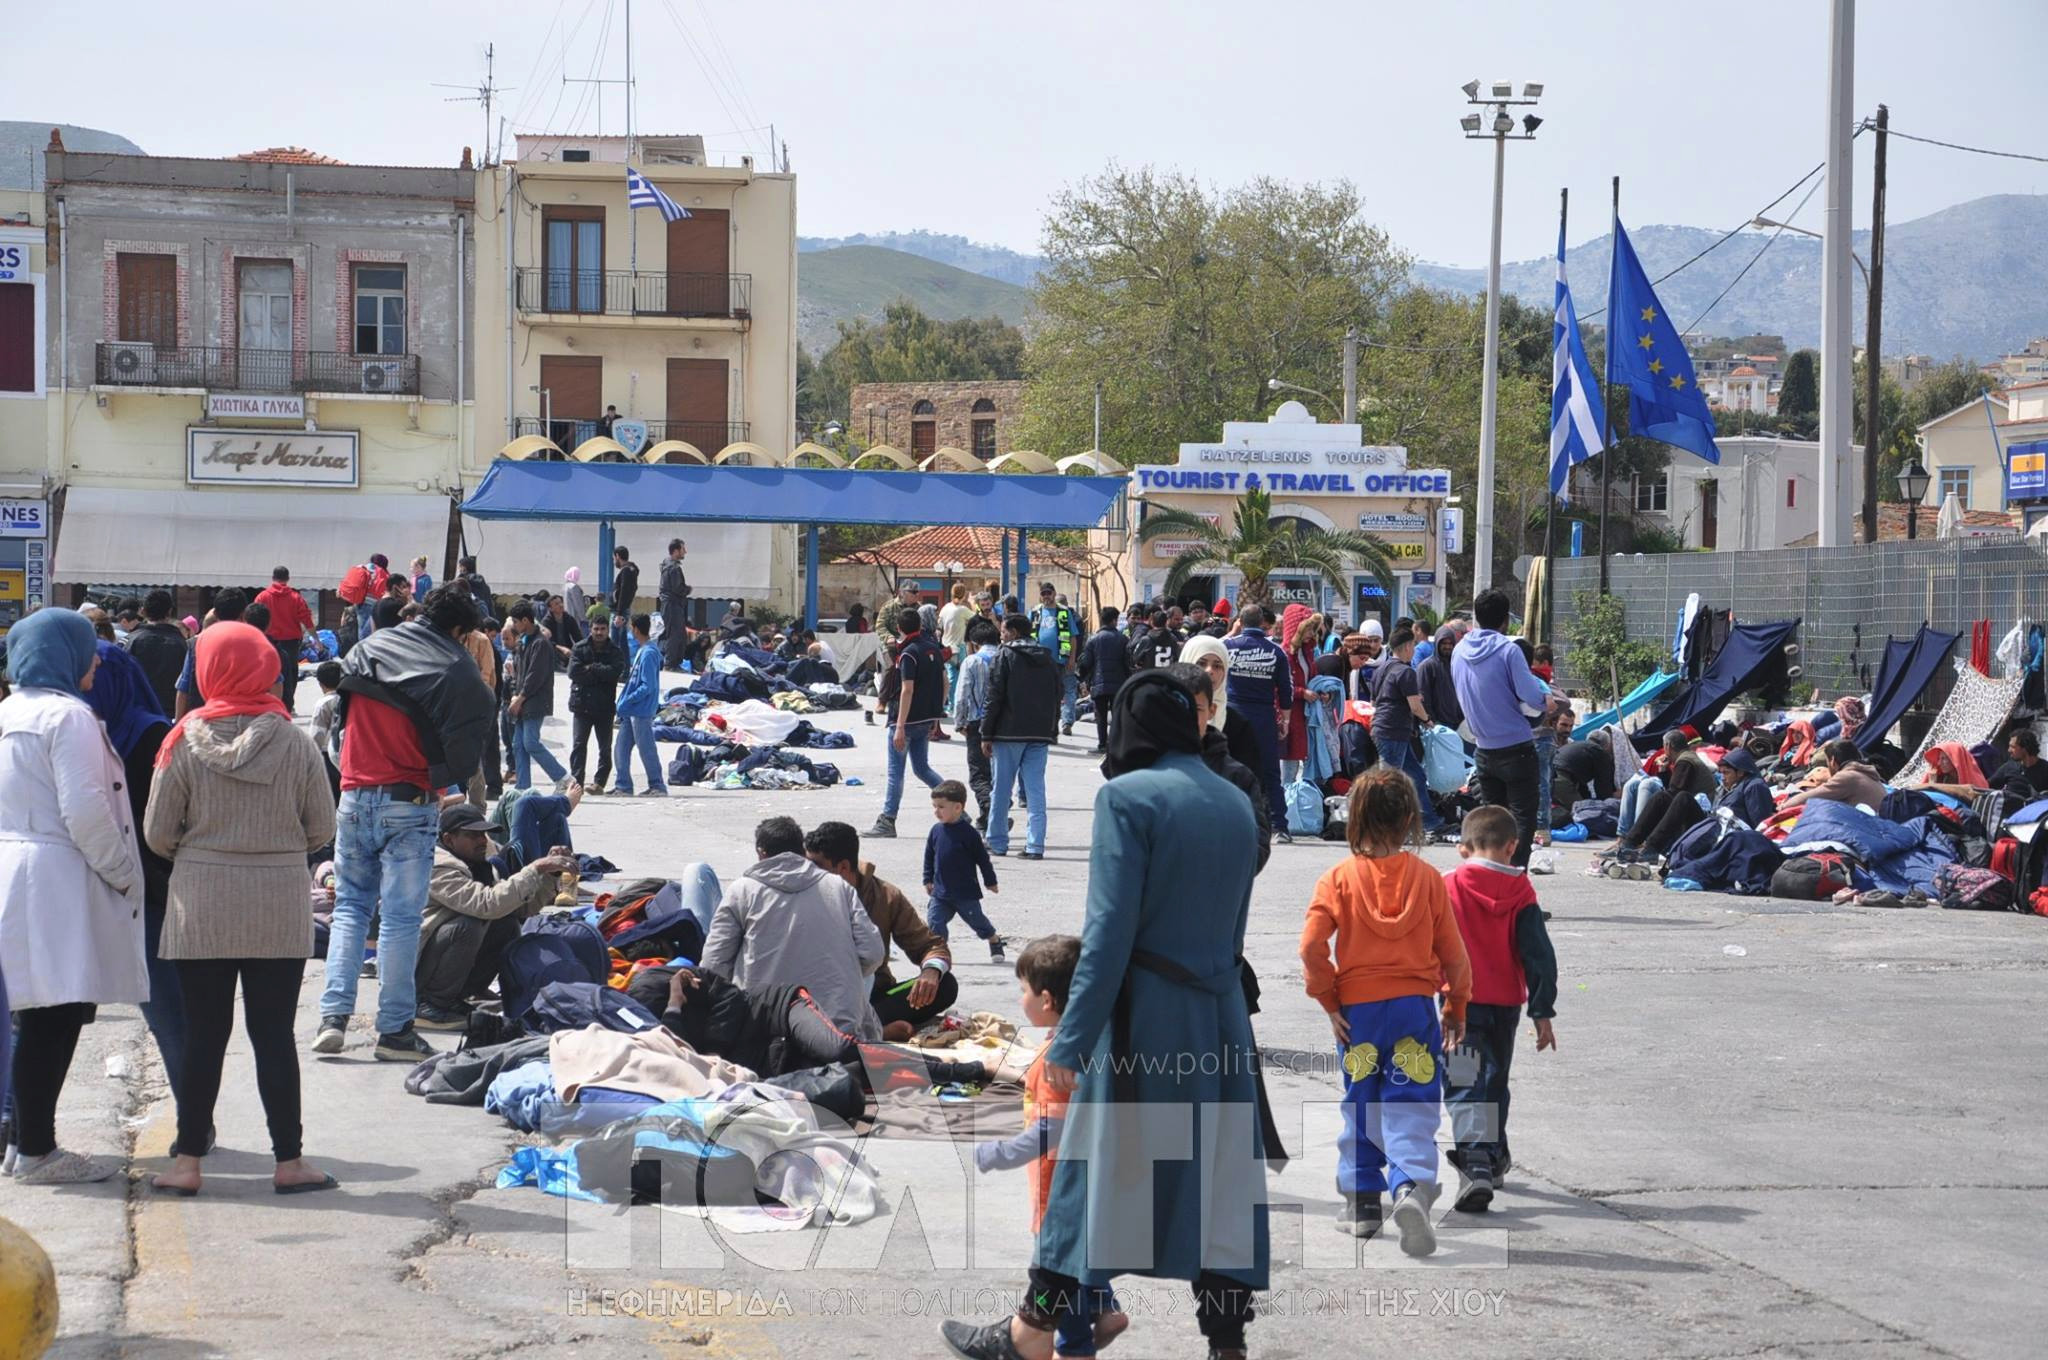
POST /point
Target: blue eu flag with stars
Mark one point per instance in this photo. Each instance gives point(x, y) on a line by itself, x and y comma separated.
point(1645, 355)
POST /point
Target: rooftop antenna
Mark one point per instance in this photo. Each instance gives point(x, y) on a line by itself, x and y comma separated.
point(482, 94)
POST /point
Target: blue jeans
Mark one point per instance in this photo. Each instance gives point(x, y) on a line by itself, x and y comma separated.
point(1635, 796)
point(701, 892)
point(383, 858)
point(539, 822)
point(1476, 1085)
point(1015, 759)
point(1070, 693)
point(366, 618)
point(1393, 1095)
point(529, 750)
point(916, 753)
point(940, 911)
point(636, 734)
point(1401, 756)
point(1546, 748)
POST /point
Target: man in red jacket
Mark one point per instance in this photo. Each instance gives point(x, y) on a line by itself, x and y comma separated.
point(291, 622)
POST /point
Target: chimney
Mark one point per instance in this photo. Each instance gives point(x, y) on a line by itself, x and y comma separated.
point(467, 163)
point(56, 141)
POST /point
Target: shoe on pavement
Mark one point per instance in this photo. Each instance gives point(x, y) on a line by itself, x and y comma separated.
point(1477, 1194)
point(970, 1342)
point(1411, 1220)
point(404, 1046)
point(995, 948)
point(448, 1019)
point(654, 793)
point(59, 1167)
point(1358, 1214)
point(1031, 854)
point(332, 1034)
point(883, 829)
point(1066, 729)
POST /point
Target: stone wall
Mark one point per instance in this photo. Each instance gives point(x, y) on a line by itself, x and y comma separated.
point(886, 409)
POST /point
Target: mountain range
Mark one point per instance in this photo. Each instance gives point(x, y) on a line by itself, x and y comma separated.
point(1957, 283)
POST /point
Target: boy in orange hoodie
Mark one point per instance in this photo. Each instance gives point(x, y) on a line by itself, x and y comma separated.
point(1395, 941)
point(1512, 962)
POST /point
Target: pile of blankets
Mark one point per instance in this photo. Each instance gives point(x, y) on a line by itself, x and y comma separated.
point(748, 745)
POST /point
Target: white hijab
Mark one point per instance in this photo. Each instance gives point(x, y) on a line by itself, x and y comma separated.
point(1192, 651)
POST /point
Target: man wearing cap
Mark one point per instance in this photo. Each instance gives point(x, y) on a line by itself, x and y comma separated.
point(1054, 624)
point(472, 915)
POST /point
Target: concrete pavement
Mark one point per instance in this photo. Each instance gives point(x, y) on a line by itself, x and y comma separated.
point(1769, 1129)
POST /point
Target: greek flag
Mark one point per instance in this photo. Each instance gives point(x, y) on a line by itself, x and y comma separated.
point(641, 193)
point(1574, 419)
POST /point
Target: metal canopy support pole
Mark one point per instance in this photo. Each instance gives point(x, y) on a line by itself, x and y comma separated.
point(1006, 567)
point(811, 576)
point(605, 539)
point(1023, 566)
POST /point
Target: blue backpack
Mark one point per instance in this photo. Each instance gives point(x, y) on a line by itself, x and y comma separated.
point(549, 949)
point(1304, 809)
point(578, 1005)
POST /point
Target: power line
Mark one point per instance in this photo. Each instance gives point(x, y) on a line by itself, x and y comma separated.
point(1752, 262)
point(1958, 146)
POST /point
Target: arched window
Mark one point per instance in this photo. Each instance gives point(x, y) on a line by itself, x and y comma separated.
point(923, 407)
point(984, 407)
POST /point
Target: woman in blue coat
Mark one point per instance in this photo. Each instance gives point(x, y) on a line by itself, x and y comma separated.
point(1156, 1044)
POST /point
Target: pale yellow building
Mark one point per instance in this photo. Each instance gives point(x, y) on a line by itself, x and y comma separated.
point(598, 317)
point(24, 415)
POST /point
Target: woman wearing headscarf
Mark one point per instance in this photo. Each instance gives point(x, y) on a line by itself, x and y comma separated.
point(1299, 639)
point(240, 799)
point(574, 601)
point(1850, 709)
point(136, 724)
point(1208, 694)
point(71, 892)
point(1156, 997)
point(1952, 770)
point(1213, 657)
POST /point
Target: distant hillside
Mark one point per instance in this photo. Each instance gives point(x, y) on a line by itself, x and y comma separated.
point(22, 142)
point(1959, 282)
point(994, 262)
point(859, 281)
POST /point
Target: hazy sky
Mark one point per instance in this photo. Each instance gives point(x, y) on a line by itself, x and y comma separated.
point(967, 117)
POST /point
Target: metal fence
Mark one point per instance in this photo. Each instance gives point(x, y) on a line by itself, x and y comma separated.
point(1847, 599)
point(617, 292)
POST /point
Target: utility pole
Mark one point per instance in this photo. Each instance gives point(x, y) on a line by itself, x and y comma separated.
point(1872, 354)
point(1351, 375)
point(1489, 392)
point(1836, 283)
point(1606, 416)
point(1097, 445)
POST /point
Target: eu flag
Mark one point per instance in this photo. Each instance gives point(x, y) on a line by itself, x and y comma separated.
point(1645, 354)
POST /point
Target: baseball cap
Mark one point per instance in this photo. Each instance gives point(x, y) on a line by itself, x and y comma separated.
point(463, 816)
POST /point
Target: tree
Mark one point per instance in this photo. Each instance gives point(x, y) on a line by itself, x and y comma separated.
point(1895, 427)
point(904, 346)
point(1598, 651)
point(1946, 388)
point(1799, 398)
point(1259, 546)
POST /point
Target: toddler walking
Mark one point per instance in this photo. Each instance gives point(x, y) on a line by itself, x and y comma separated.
point(956, 864)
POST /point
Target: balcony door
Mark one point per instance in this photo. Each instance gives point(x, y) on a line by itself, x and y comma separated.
point(572, 249)
point(264, 332)
point(699, 264)
point(696, 403)
point(575, 397)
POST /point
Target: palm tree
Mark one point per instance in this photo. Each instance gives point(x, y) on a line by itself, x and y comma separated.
point(1259, 547)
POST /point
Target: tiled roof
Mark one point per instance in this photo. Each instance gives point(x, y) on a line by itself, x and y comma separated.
point(977, 549)
point(1743, 372)
point(1891, 523)
point(288, 155)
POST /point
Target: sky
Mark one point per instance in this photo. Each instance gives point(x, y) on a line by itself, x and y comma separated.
point(969, 118)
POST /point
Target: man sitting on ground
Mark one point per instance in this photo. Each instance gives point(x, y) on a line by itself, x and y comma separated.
point(1583, 769)
point(472, 915)
point(788, 922)
point(900, 1006)
point(1850, 780)
point(812, 668)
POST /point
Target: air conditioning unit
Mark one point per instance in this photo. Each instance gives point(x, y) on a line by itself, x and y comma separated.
point(132, 361)
point(382, 375)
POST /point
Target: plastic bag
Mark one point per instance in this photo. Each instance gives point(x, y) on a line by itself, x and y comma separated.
point(1570, 831)
point(1682, 885)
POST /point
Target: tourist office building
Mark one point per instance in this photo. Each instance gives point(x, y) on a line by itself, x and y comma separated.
point(1324, 476)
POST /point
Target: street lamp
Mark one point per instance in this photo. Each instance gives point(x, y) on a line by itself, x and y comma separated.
point(1766, 222)
point(1913, 481)
point(1499, 98)
point(1275, 385)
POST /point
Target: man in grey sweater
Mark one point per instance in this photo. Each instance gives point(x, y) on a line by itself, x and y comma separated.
point(787, 922)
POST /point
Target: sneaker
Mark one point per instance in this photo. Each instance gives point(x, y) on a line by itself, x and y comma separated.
point(64, 1168)
point(598, 788)
point(1066, 729)
point(1358, 1213)
point(1031, 854)
point(1641, 873)
point(1477, 1194)
point(883, 829)
point(654, 793)
point(332, 1034)
point(1411, 1219)
point(1283, 836)
point(1615, 869)
point(404, 1046)
point(448, 1019)
point(970, 1342)
point(995, 948)
point(369, 966)
point(621, 790)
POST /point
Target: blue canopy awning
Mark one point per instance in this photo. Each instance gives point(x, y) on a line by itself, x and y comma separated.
point(625, 492)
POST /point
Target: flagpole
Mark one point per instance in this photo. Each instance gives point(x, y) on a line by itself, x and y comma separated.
point(632, 217)
point(1606, 378)
point(1564, 197)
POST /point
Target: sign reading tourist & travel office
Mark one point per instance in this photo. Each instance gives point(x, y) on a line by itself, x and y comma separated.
point(222, 457)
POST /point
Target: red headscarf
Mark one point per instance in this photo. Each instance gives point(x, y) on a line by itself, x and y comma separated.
point(1291, 619)
point(1222, 609)
point(236, 666)
point(1962, 762)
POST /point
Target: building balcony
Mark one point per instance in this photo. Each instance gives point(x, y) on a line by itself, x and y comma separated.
point(706, 436)
point(652, 294)
point(217, 368)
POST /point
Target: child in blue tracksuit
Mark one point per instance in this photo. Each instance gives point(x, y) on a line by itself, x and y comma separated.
point(638, 703)
point(956, 864)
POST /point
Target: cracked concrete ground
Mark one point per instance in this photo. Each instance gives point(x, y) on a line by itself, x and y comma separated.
point(1823, 1147)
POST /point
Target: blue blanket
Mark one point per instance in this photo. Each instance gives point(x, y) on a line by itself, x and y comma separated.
point(1897, 857)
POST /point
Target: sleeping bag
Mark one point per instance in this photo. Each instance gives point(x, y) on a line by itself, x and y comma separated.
point(1896, 857)
point(1722, 855)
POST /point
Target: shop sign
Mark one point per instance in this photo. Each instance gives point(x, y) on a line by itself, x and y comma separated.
point(24, 519)
point(1397, 523)
point(1289, 590)
point(217, 457)
point(1422, 578)
point(37, 563)
point(13, 585)
point(254, 406)
point(1407, 550)
point(1452, 530)
point(13, 261)
point(2026, 476)
point(1397, 482)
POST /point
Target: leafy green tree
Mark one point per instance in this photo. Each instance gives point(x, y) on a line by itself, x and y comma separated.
point(1597, 651)
point(1799, 398)
point(1895, 428)
point(1257, 545)
point(904, 346)
point(1946, 388)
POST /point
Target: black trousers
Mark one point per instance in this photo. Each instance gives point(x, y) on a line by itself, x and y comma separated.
point(270, 1006)
point(1663, 819)
point(894, 1005)
point(1476, 1086)
point(580, 729)
point(288, 663)
point(980, 774)
point(493, 764)
point(46, 1038)
point(1508, 777)
point(460, 957)
point(1223, 1307)
point(1101, 703)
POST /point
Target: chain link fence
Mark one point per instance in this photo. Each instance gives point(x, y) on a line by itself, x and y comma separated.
point(1847, 599)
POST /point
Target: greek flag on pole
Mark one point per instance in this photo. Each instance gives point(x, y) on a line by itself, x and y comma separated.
point(1574, 419)
point(641, 193)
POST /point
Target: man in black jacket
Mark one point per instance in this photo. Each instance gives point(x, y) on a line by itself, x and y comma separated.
point(625, 583)
point(595, 668)
point(479, 589)
point(414, 710)
point(1439, 694)
point(1583, 769)
point(1105, 665)
point(1018, 725)
point(159, 647)
point(1154, 644)
point(672, 602)
point(534, 700)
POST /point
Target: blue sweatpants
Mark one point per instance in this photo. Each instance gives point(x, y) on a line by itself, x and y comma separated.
point(940, 911)
point(1266, 727)
point(1393, 1095)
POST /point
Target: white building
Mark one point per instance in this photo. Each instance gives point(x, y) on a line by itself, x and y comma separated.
point(1764, 493)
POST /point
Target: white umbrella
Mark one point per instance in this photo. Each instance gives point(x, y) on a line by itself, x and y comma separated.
point(1950, 522)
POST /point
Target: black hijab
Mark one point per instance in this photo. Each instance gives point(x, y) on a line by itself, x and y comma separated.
point(1154, 715)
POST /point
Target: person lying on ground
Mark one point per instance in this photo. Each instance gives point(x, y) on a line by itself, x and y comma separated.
point(472, 915)
point(1850, 780)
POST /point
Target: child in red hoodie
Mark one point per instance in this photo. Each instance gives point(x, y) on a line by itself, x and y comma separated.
point(1512, 962)
point(1389, 919)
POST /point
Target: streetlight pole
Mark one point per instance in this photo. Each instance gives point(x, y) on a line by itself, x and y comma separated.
point(1500, 97)
point(1275, 385)
point(1836, 405)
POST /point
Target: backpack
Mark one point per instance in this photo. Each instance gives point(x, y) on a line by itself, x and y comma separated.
point(1304, 809)
point(578, 1005)
point(549, 949)
point(355, 584)
point(1336, 817)
point(1600, 816)
point(2005, 858)
point(1356, 752)
point(1962, 887)
point(654, 925)
point(1812, 878)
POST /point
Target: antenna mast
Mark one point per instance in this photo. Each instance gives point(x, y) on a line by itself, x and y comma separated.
point(482, 94)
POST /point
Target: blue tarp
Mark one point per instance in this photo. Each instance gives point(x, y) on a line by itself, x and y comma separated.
point(1907, 669)
point(1744, 660)
point(638, 491)
point(1641, 697)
